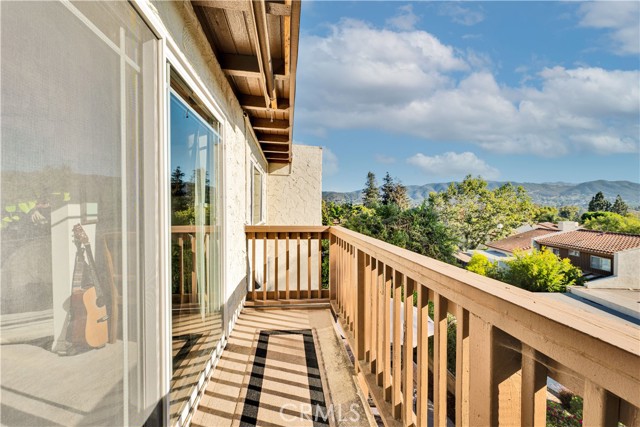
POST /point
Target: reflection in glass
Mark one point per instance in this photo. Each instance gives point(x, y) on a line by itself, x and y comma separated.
point(72, 241)
point(196, 320)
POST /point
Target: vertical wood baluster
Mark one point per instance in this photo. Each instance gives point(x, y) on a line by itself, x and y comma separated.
point(600, 407)
point(386, 370)
point(264, 267)
point(534, 389)
point(462, 365)
point(396, 398)
point(319, 265)
point(288, 266)
point(422, 410)
point(407, 379)
point(298, 266)
point(366, 307)
point(253, 266)
point(440, 361)
point(308, 294)
point(276, 270)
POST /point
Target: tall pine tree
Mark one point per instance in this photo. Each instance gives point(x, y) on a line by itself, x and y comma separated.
point(599, 204)
point(371, 193)
point(394, 193)
point(619, 206)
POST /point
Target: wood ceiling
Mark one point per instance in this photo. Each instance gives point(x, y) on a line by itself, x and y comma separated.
point(256, 44)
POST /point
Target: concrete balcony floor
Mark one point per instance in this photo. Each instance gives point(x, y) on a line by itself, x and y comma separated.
point(280, 366)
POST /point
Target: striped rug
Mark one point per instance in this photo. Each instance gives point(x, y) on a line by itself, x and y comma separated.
point(284, 384)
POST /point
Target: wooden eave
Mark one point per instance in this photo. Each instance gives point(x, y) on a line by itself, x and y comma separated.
point(256, 44)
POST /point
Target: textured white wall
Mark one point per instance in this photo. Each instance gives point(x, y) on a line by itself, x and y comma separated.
point(294, 193)
point(183, 25)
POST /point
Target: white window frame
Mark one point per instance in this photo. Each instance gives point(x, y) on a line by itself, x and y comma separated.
point(600, 260)
point(574, 253)
point(555, 251)
point(170, 55)
point(254, 165)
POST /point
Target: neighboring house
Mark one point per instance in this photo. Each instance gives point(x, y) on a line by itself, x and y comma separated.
point(501, 251)
point(519, 242)
point(599, 254)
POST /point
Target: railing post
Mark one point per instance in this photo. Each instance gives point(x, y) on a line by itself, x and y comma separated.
point(359, 302)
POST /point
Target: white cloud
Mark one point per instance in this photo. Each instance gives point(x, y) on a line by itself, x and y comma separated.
point(453, 165)
point(411, 83)
point(622, 18)
point(384, 159)
point(405, 19)
point(461, 15)
point(329, 162)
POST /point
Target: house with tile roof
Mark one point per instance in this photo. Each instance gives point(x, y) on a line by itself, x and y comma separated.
point(599, 254)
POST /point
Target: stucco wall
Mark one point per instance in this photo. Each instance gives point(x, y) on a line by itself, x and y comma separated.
point(183, 25)
point(294, 192)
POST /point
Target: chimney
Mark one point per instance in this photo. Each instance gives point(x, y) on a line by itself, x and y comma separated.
point(567, 225)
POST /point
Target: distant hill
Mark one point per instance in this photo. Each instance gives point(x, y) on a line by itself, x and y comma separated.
point(548, 193)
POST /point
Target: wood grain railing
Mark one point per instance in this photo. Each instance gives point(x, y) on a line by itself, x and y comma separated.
point(285, 264)
point(508, 341)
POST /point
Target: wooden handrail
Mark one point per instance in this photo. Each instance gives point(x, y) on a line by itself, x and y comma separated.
point(285, 264)
point(508, 340)
point(604, 353)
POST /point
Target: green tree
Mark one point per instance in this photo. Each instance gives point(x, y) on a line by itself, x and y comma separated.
point(599, 204)
point(613, 222)
point(477, 215)
point(546, 214)
point(394, 193)
point(386, 189)
point(541, 271)
point(371, 193)
point(569, 213)
point(619, 206)
point(480, 264)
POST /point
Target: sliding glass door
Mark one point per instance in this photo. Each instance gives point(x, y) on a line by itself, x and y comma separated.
point(79, 342)
point(195, 287)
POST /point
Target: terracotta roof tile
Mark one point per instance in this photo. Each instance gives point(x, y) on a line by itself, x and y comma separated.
point(591, 240)
point(521, 241)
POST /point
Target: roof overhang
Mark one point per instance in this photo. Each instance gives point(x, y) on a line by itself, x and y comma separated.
point(256, 44)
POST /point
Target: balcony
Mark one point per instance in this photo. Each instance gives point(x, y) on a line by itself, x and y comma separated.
point(508, 341)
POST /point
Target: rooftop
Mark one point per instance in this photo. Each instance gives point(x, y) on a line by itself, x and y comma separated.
point(593, 241)
point(521, 241)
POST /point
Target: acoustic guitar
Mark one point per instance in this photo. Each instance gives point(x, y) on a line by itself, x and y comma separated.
point(88, 326)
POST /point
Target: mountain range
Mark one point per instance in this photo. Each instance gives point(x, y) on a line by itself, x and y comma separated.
point(548, 193)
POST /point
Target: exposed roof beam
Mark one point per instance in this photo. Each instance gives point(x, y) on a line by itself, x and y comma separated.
point(249, 102)
point(275, 148)
point(280, 9)
point(259, 15)
point(267, 124)
point(271, 138)
point(247, 65)
point(223, 4)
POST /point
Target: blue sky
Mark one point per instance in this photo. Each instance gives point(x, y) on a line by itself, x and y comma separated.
point(433, 91)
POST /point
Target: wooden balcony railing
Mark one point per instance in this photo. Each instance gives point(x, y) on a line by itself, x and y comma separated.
point(185, 286)
point(507, 340)
point(285, 264)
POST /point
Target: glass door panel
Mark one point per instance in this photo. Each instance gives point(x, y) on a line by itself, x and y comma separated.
point(196, 319)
